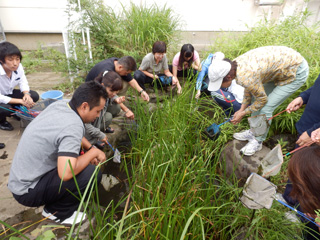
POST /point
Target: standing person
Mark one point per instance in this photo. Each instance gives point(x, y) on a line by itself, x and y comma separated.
point(303, 171)
point(95, 131)
point(49, 147)
point(11, 75)
point(229, 96)
point(123, 66)
point(269, 75)
point(185, 63)
point(152, 65)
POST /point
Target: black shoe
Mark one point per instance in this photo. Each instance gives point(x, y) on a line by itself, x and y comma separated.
point(6, 126)
point(2, 145)
point(109, 130)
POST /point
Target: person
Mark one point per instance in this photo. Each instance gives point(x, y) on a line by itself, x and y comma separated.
point(11, 75)
point(228, 97)
point(269, 75)
point(185, 63)
point(48, 155)
point(310, 118)
point(95, 132)
point(152, 65)
point(303, 171)
point(123, 66)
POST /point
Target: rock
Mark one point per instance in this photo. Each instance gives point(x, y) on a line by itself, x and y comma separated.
point(242, 166)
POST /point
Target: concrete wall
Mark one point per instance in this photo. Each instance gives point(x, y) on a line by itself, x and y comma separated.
point(29, 23)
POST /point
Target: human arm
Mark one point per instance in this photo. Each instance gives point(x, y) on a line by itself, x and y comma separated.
point(175, 80)
point(128, 113)
point(134, 84)
point(79, 163)
point(204, 71)
point(304, 139)
point(238, 115)
point(295, 104)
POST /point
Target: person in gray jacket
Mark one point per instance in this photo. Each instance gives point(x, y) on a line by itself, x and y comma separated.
point(95, 131)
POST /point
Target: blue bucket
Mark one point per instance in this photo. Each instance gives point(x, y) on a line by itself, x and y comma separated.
point(53, 94)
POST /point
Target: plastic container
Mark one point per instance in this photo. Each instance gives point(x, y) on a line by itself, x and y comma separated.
point(53, 94)
point(39, 106)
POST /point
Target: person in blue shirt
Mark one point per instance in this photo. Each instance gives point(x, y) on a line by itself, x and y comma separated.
point(230, 98)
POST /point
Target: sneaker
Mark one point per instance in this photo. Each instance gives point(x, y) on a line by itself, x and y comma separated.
point(251, 147)
point(48, 215)
point(68, 221)
point(246, 135)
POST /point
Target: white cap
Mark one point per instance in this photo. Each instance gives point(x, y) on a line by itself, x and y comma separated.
point(217, 71)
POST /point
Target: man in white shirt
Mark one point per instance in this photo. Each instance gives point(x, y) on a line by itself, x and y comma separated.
point(11, 75)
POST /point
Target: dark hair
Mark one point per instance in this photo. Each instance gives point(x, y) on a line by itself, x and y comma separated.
point(8, 49)
point(128, 63)
point(110, 79)
point(187, 51)
point(304, 173)
point(90, 92)
point(233, 69)
point(159, 47)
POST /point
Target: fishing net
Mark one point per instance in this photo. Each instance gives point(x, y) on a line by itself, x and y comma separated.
point(258, 192)
point(258, 124)
point(271, 163)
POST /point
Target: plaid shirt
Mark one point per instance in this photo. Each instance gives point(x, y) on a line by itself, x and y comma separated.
point(265, 64)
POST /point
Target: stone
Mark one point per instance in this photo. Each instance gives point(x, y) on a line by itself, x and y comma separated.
point(233, 162)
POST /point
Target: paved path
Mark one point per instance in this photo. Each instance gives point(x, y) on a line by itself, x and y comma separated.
point(9, 207)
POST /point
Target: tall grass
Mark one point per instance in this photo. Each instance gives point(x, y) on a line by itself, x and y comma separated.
point(132, 31)
point(292, 32)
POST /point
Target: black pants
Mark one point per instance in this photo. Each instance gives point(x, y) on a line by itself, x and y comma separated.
point(142, 79)
point(15, 94)
point(62, 202)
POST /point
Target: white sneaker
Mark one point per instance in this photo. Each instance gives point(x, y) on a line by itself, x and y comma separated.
point(69, 220)
point(246, 135)
point(48, 215)
point(251, 147)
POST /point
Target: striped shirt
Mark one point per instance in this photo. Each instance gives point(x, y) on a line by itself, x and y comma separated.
point(276, 64)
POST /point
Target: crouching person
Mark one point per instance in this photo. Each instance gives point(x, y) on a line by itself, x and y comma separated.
point(49, 147)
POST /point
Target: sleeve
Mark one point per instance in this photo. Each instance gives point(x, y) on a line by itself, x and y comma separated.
point(314, 127)
point(4, 99)
point(305, 95)
point(175, 60)
point(93, 132)
point(69, 140)
point(165, 63)
point(23, 83)
point(204, 71)
point(145, 64)
point(256, 91)
point(195, 55)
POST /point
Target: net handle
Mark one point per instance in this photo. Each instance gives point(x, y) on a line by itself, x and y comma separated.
point(277, 114)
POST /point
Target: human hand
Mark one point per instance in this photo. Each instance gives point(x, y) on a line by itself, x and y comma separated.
point(175, 80)
point(145, 96)
point(27, 101)
point(237, 116)
point(315, 135)
point(120, 99)
point(104, 140)
point(304, 140)
point(179, 90)
point(156, 76)
point(198, 94)
point(295, 104)
point(129, 114)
